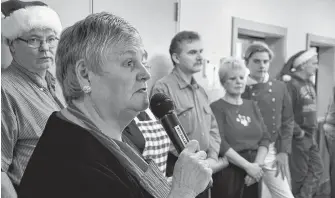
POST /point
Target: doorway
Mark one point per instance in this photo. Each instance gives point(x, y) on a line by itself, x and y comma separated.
point(246, 32)
point(325, 76)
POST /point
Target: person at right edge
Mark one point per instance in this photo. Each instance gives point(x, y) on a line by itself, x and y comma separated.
point(305, 160)
point(329, 127)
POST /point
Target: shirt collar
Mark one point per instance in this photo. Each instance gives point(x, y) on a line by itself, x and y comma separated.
point(251, 81)
point(49, 80)
point(182, 82)
point(298, 78)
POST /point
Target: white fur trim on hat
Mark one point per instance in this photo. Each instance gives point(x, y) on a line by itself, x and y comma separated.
point(26, 19)
point(286, 78)
point(305, 57)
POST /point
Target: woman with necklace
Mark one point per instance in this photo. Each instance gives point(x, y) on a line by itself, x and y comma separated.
point(244, 137)
point(100, 64)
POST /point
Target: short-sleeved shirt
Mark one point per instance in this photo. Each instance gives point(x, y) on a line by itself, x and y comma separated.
point(27, 101)
point(193, 110)
point(241, 126)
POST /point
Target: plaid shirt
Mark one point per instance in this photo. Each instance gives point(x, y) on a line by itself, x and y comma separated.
point(157, 142)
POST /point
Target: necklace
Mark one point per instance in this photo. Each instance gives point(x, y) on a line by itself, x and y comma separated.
point(236, 102)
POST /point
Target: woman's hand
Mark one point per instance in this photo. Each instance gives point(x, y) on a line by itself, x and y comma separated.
point(192, 173)
point(255, 171)
point(219, 164)
point(248, 180)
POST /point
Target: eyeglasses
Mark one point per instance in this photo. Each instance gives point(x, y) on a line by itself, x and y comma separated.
point(36, 43)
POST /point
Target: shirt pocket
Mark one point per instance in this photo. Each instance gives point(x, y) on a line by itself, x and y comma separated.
point(185, 115)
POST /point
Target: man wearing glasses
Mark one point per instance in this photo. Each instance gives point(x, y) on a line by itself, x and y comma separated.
point(28, 89)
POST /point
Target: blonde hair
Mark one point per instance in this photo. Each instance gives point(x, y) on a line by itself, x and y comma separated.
point(229, 64)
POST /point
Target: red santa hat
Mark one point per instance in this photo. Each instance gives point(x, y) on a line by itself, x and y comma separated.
point(20, 17)
point(296, 61)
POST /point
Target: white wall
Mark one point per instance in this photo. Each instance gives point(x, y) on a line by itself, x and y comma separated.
point(213, 20)
point(154, 19)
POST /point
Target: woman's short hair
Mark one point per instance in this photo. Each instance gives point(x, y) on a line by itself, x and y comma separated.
point(90, 40)
point(257, 47)
point(230, 64)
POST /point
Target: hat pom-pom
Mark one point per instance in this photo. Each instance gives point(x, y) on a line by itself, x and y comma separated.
point(286, 78)
point(293, 70)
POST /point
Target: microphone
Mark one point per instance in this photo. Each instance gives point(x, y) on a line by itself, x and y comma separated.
point(163, 108)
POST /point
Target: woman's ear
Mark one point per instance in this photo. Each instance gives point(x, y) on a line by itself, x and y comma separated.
point(82, 73)
point(175, 58)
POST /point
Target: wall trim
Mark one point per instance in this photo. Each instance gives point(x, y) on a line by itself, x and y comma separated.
point(257, 29)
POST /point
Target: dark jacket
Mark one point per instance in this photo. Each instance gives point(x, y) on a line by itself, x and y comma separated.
point(304, 105)
point(275, 104)
point(69, 162)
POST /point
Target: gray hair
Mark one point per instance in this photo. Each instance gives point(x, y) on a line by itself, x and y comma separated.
point(90, 40)
point(230, 64)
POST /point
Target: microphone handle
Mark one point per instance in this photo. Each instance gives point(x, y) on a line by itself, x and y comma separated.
point(176, 132)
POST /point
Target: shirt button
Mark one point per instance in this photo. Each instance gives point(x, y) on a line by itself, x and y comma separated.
point(274, 124)
point(41, 89)
point(273, 117)
point(270, 83)
point(273, 131)
point(273, 110)
point(253, 94)
point(184, 114)
point(273, 99)
point(270, 90)
point(251, 86)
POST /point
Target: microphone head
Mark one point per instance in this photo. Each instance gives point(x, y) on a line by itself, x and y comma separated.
point(161, 104)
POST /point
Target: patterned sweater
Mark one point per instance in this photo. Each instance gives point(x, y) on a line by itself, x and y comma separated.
point(303, 97)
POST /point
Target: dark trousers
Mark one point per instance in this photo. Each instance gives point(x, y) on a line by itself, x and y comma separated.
point(229, 183)
point(306, 167)
point(169, 172)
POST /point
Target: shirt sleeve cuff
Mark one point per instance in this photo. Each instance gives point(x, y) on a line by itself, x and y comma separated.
point(4, 165)
point(265, 143)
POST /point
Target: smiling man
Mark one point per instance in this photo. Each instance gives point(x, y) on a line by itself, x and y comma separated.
point(28, 89)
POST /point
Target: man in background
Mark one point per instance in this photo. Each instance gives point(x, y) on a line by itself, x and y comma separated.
point(329, 127)
point(191, 100)
point(275, 105)
point(305, 162)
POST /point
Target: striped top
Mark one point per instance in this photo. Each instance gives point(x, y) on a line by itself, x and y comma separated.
point(27, 101)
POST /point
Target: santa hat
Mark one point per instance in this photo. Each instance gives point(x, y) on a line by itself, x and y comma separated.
point(20, 17)
point(296, 61)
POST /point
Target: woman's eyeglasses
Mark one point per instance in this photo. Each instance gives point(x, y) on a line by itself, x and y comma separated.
point(36, 43)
